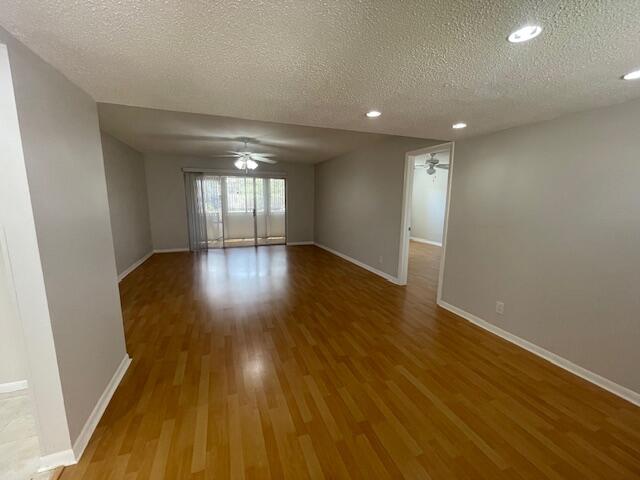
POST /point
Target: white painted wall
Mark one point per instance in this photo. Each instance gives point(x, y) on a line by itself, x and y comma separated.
point(13, 362)
point(546, 218)
point(70, 289)
point(428, 203)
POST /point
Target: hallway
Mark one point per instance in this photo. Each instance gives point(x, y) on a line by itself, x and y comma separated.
point(289, 362)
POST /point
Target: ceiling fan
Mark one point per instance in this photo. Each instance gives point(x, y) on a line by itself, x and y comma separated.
point(432, 163)
point(247, 159)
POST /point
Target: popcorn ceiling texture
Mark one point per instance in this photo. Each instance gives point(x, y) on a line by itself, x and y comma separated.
point(425, 64)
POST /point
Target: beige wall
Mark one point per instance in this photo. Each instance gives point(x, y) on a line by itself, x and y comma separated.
point(359, 202)
point(546, 218)
point(63, 158)
point(167, 204)
point(128, 208)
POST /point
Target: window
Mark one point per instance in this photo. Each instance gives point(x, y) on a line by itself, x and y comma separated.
point(239, 194)
point(276, 187)
point(211, 195)
point(260, 194)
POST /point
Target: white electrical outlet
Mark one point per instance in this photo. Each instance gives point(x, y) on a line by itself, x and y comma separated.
point(500, 308)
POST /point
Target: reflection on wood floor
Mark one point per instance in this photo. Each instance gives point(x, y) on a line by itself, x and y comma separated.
point(289, 362)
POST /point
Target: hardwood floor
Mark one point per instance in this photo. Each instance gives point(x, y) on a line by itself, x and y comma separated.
point(289, 362)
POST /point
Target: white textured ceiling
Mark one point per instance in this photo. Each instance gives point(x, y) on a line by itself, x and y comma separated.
point(424, 63)
point(162, 131)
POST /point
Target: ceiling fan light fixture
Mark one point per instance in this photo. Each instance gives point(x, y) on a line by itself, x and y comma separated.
point(373, 113)
point(251, 165)
point(240, 164)
point(524, 34)
point(635, 75)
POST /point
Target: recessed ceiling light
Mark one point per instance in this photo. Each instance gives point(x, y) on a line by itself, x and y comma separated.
point(525, 34)
point(373, 113)
point(459, 125)
point(635, 75)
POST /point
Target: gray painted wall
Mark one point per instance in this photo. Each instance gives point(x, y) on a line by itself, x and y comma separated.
point(63, 158)
point(128, 207)
point(546, 218)
point(16, 218)
point(359, 202)
point(168, 209)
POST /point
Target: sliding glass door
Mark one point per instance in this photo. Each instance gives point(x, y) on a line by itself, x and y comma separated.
point(235, 211)
point(270, 211)
point(238, 204)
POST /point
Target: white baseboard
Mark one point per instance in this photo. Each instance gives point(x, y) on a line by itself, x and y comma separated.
point(561, 362)
point(58, 459)
point(424, 240)
point(170, 250)
point(384, 275)
point(13, 386)
point(134, 266)
point(291, 244)
point(92, 422)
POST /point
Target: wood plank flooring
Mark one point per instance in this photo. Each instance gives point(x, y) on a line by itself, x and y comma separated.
point(289, 362)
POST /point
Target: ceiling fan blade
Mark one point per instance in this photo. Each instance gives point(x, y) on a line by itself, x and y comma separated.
point(265, 155)
point(444, 166)
point(225, 156)
point(263, 160)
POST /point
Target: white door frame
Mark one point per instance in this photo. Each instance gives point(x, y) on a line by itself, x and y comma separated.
point(407, 195)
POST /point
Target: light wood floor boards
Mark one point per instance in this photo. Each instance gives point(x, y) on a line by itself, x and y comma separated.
point(289, 362)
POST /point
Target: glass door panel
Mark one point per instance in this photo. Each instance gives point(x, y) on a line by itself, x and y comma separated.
point(238, 211)
point(212, 202)
point(261, 210)
point(272, 220)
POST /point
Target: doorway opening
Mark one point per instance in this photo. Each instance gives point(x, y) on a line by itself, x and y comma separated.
point(424, 216)
point(235, 211)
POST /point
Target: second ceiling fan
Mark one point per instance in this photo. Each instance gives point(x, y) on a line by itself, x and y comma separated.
point(432, 163)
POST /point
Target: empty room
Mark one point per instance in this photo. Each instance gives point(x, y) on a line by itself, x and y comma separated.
point(319, 240)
